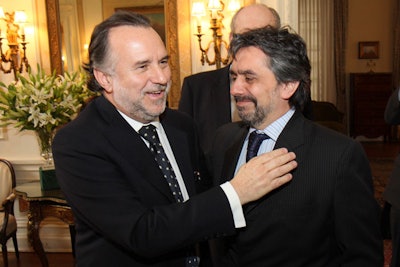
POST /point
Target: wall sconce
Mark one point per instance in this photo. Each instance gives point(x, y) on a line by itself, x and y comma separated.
point(215, 8)
point(15, 35)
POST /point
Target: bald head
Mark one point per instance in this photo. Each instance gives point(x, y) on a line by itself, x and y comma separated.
point(253, 17)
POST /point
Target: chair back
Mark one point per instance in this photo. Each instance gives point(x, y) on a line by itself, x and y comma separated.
point(7, 179)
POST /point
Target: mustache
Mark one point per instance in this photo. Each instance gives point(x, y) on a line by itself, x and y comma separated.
point(245, 98)
point(159, 87)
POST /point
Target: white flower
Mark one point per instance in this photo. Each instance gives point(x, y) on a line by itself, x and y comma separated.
point(42, 102)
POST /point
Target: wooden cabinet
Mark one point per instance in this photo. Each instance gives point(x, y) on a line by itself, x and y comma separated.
point(369, 93)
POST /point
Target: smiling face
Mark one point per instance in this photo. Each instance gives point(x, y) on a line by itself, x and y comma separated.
point(260, 99)
point(139, 77)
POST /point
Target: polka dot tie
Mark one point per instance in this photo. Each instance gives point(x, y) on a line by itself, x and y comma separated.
point(149, 133)
point(255, 140)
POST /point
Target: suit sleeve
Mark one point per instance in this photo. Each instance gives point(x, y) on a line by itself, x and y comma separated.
point(357, 214)
point(186, 100)
point(392, 111)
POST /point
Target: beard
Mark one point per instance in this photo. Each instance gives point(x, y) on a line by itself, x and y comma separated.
point(146, 110)
point(140, 110)
point(252, 118)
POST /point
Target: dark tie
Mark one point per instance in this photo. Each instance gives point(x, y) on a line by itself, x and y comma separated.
point(255, 140)
point(149, 133)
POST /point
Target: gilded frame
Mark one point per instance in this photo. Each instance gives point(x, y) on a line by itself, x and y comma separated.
point(368, 50)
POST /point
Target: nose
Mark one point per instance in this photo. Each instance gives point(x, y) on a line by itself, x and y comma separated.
point(237, 86)
point(161, 75)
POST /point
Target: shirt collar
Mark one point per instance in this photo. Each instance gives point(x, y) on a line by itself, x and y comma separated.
point(274, 129)
point(136, 125)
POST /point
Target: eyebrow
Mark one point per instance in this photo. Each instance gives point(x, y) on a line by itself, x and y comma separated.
point(243, 72)
point(147, 61)
point(166, 57)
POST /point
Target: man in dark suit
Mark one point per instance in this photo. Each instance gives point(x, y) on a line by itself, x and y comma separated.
point(130, 168)
point(392, 190)
point(205, 96)
point(326, 215)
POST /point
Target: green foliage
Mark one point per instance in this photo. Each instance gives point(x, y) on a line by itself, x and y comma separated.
point(43, 102)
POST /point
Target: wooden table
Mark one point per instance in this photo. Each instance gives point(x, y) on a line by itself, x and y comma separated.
point(43, 204)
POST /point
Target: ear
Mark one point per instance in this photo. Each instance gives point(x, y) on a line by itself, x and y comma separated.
point(103, 79)
point(289, 89)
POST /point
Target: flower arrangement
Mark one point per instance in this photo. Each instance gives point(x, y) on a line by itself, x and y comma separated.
point(43, 103)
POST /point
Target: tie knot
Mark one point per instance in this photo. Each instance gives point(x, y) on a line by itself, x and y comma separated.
point(255, 140)
point(149, 133)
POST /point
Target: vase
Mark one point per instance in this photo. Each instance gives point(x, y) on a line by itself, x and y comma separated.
point(45, 139)
point(48, 180)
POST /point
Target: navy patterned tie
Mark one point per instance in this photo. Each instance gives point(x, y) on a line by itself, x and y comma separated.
point(149, 133)
point(255, 140)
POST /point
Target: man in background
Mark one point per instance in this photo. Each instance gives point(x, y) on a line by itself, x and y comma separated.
point(205, 96)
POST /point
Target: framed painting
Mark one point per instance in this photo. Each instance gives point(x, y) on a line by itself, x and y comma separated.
point(154, 13)
point(368, 50)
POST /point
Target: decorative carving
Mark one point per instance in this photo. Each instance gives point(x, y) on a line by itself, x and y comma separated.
point(42, 205)
point(171, 25)
point(54, 32)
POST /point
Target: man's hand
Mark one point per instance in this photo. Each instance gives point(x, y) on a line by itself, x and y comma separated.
point(263, 173)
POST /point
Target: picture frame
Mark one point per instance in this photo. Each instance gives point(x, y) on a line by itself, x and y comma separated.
point(368, 50)
point(156, 15)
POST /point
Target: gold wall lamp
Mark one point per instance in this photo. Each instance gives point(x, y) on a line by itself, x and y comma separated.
point(215, 9)
point(13, 59)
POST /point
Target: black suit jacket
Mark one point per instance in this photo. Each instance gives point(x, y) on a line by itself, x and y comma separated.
point(124, 211)
point(325, 216)
point(205, 97)
point(392, 116)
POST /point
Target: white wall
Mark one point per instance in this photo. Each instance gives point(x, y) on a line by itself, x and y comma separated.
point(370, 20)
point(13, 144)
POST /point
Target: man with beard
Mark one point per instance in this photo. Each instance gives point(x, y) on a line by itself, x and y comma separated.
point(326, 215)
point(131, 169)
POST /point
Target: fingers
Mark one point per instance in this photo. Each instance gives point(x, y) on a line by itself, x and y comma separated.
point(263, 174)
point(278, 156)
point(278, 162)
point(270, 155)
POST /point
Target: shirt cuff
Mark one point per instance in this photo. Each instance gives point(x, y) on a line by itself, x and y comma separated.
point(234, 202)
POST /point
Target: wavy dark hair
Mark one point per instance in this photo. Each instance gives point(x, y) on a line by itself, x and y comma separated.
point(99, 53)
point(286, 55)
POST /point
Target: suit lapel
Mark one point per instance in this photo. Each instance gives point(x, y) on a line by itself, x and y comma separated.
point(125, 139)
point(293, 136)
point(233, 152)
